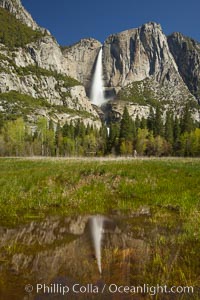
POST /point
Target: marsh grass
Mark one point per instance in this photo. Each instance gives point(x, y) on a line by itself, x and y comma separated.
point(79, 186)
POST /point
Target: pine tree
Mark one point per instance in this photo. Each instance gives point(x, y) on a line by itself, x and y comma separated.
point(177, 129)
point(177, 134)
point(151, 120)
point(1, 121)
point(126, 131)
point(80, 129)
point(169, 128)
point(113, 138)
point(137, 123)
point(58, 140)
point(187, 123)
point(134, 130)
point(159, 128)
point(143, 123)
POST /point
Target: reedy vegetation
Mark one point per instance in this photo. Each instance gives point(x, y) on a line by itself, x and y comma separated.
point(83, 186)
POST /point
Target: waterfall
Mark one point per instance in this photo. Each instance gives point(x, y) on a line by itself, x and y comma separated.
point(96, 226)
point(97, 93)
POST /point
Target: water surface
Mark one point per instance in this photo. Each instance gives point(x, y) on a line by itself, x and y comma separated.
point(137, 248)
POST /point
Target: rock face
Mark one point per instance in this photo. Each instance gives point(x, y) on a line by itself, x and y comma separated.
point(45, 53)
point(15, 7)
point(115, 109)
point(186, 53)
point(81, 59)
point(138, 54)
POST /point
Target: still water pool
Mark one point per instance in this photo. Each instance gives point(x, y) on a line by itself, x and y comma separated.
point(142, 256)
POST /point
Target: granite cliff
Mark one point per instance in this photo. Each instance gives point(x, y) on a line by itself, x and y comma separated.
point(138, 54)
point(33, 64)
point(186, 52)
point(142, 67)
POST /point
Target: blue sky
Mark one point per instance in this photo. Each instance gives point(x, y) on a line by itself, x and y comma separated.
point(71, 20)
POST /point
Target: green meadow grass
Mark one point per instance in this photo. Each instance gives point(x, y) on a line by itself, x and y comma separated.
point(33, 187)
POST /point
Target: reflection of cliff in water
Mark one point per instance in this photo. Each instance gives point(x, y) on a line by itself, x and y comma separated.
point(61, 249)
point(136, 250)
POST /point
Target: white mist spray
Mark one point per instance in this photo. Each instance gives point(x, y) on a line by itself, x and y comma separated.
point(97, 232)
point(97, 93)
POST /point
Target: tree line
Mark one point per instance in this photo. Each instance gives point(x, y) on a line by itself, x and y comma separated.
point(155, 136)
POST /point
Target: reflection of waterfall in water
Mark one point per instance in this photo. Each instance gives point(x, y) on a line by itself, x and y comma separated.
point(96, 226)
point(97, 93)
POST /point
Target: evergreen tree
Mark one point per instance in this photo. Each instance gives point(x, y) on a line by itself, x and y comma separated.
point(177, 134)
point(80, 129)
point(126, 130)
point(137, 123)
point(126, 134)
point(169, 128)
point(134, 130)
point(65, 130)
point(1, 121)
point(143, 123)
point(59, 140)
point(187, 123)
point(42, 128)
point(151, 120)
point(102, 139)
point(68, 130)
point(159, 128)
point(177, 129)
point(113, 138)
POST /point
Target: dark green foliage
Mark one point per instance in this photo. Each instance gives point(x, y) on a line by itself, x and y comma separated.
point(26, 100)
point(187, 123)
point(158, 128)
point(169, 128)
point(126, 126)
point(151, 120)
point(113, 138)
point(137, 123)
point(177, 129)
point(143, 123)
point(79, 129)
point(67, 81)
point(1, 121)
point(68, 131)
point(15, 34)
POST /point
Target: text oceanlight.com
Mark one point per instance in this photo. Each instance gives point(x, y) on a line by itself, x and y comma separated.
point(108, 288)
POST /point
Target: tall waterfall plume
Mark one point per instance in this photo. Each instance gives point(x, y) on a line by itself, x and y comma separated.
point(97, 91)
